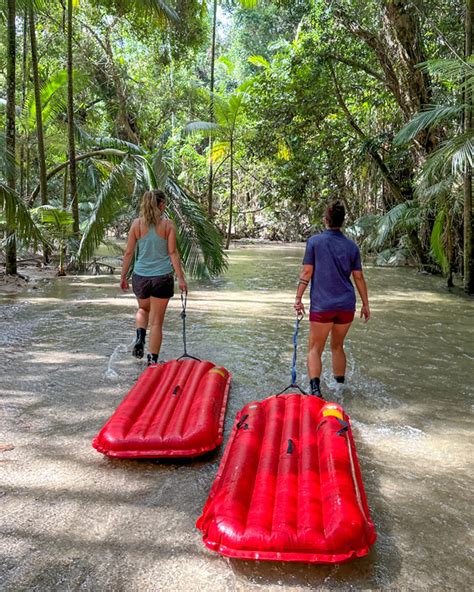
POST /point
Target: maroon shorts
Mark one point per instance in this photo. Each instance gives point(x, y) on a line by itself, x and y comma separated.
point(338, 317)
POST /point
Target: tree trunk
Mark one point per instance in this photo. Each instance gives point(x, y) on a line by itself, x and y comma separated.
point(395, 189)
point(125, 120)
point(70, 124)
point(39, 122)
point(210, 195)
point(231, 196)
point(24, 77)
point(404, 38)
point(11, 263)
point(468, 246)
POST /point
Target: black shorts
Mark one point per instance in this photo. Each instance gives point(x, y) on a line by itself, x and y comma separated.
point(158, 286)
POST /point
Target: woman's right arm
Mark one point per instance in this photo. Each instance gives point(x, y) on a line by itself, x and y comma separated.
point(304, 279)
point(175, 259)
point(129, 250)
point(363, 293)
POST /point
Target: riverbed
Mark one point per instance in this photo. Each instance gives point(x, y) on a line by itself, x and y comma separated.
point(73, 519)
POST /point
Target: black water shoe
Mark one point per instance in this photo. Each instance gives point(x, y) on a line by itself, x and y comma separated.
point(151, 359)
point(139, 345)
point(316, 388)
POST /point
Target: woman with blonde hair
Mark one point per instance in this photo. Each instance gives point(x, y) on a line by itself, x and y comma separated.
point(153, 237)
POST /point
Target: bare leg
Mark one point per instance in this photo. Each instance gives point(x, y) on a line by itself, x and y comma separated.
point(338, 334)
point(157, 315)
point(141, 318)
point(318, 334)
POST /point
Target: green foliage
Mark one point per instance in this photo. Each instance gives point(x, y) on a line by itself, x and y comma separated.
point(437, 241)
point(19, 217)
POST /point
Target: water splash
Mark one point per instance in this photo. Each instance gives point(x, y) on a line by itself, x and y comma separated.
point(110, 373)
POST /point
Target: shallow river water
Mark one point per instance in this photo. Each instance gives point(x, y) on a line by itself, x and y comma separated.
point(72, 519)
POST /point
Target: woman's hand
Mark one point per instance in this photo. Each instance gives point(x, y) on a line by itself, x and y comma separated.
point(299, 306)
point(365, 312)
point(124, 284)
point(182, 284)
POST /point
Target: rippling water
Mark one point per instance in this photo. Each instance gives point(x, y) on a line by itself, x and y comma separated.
point(73, 519)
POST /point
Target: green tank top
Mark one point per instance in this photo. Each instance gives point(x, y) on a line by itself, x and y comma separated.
point(152, 257)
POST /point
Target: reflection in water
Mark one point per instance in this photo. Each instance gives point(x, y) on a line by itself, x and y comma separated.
point(105, 524)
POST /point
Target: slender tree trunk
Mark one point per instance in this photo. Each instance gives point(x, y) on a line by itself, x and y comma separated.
point(210, 195)
point(65, 184)
point(231, 196)
point(39, 122)
point(11, 263)
point(468, 246)
point(25, 139)
point(70, 123)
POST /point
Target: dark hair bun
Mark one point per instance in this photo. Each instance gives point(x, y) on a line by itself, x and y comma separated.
point(335, 214)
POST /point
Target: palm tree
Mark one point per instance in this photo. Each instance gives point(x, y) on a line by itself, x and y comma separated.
point(158, 8)
point(39, 118)
point(468, 119)
point(131, 170)
point(70, 123)
point(11, 267)
point(228, 115)
point(244, 4)
point(451, 162)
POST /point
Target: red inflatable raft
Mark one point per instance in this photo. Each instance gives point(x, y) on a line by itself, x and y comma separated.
point(175, 409)
point(289, 487)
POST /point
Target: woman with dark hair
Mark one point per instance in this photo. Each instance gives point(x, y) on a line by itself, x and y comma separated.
point(329, 262)
point(153, 237)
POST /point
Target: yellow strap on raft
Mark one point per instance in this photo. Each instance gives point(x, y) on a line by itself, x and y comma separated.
point(218, 371)
point(334, 412)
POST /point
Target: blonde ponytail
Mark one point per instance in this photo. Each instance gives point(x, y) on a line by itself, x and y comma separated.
point(149, 207)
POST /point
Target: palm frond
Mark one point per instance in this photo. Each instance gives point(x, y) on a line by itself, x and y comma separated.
point(362, 228)
point(454, 69)
point(53, 95)
point(144, 172)
point(160, 168)
point(451, 158)
point(199, 240)
point(107, 142)
point(162, 11)
point(437, 241)
point(426, 119)
point(436, 190)
point(37, 5)
point(158, 8)
point(195, 127)
point(18, 216)
point(402, 216)
point(108, 204)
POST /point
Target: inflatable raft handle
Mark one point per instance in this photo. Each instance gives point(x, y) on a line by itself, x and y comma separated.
point(184, 301)
point(294, 385)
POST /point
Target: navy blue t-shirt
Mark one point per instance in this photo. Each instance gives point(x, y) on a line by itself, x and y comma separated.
point(334, 258)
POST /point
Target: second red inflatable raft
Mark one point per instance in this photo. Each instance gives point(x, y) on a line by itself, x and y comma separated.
point(289, 487)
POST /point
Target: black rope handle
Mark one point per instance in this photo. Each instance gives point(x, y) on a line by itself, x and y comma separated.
point(184, 302)
point(294, 385)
